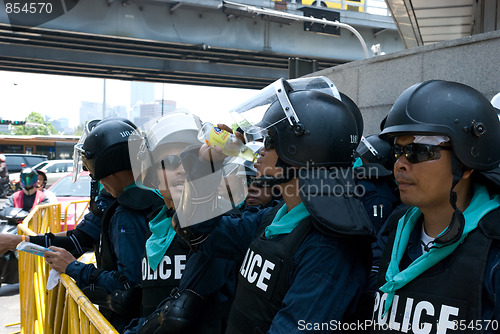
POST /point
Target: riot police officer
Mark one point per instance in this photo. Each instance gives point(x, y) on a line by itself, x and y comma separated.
point(156, 165)
point(438, 271)
point(114, 284)
point(306, 261)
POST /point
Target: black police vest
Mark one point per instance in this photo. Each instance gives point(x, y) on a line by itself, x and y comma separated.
point(263, 279)
point(157, 284)
point(139, 199)
point(446, 298)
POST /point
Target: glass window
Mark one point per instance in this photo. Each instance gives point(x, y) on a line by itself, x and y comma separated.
point(14, 163)
point(46, 150)
point(66, 188)
point(41, 165)
point(31, 161)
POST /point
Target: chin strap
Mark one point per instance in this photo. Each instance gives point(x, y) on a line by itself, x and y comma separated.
point(454, 231)
point(94, 192)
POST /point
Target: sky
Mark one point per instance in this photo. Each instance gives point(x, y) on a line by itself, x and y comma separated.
point(60, 96)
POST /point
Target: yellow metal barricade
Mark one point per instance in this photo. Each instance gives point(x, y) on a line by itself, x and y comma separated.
point(64, 309)
point(78, 208)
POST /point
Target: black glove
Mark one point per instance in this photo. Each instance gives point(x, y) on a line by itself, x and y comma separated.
point(178, 315)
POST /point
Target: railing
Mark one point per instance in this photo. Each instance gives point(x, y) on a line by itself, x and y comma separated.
point(64, 309)
point(79, 209)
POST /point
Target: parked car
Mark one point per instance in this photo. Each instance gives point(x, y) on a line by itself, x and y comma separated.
point(54, 169)
point(17, 161)
point(66, 191)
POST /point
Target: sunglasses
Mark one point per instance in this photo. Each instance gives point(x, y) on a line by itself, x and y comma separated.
point(251, 180)
point(416, 153)
point(170, 162)
point(268, 143)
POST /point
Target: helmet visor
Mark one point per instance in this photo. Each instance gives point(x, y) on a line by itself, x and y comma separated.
point(77, 150)
point(29, 179)
point(249, 115)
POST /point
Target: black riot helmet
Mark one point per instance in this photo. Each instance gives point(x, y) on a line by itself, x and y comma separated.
point(353, 108)
point(105, 150)
point(375, 150)
point(325, 136)
point(452, 109)
point(460, 112)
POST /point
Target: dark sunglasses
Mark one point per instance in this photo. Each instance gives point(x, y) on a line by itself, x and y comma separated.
point(268, 143)
point(170, 162)
point(250, 180)
point(416, 153)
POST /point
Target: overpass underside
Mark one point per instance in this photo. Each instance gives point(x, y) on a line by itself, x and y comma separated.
point(180, 42)
point(66, 53)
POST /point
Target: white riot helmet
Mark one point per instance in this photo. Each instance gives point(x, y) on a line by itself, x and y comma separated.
point(176, 128)
point(495, 101)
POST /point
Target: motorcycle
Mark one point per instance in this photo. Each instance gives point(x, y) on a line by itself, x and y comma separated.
point(7, 189)
point(9, 218)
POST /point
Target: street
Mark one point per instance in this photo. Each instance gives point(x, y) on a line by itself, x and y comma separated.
point(9, 308)
point(9, 304)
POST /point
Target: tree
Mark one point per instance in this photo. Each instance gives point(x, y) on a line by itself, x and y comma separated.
point(35, 118)
point(79, 129)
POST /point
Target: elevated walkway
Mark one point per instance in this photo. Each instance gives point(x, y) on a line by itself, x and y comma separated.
point(190, 41)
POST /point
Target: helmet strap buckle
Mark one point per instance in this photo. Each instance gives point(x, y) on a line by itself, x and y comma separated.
point(298, 129)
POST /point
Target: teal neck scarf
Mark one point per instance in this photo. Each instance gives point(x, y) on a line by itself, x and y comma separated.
point(160, 240)
point(284, 222)
point(130, 186)
point(357, 163)
point(479, 206)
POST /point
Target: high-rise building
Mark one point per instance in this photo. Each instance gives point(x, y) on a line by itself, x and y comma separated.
point(150, 111)
point(90, 110)
point(141, 92)
point(120, 111)
point(60, 124)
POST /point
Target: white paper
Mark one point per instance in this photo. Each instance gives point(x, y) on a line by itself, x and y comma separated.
point(32, 248)
point(53, 279)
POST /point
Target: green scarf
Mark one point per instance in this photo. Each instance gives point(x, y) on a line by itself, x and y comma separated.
point(284, 222)
point(160, 240)
point(479, 206)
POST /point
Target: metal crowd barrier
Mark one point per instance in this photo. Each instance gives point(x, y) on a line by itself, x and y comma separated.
point(64, 309)
point(79, 209)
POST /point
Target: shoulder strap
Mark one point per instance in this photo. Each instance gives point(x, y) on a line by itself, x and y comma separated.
point(489, 224)
point(139, 199)
point(104, 257)
point(392, 221)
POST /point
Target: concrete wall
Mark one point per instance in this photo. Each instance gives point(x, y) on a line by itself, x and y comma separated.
point(375, 83)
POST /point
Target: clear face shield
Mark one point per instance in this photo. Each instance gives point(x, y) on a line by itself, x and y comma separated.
point(77, 150)
point(249, 115)
point(217, 191)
